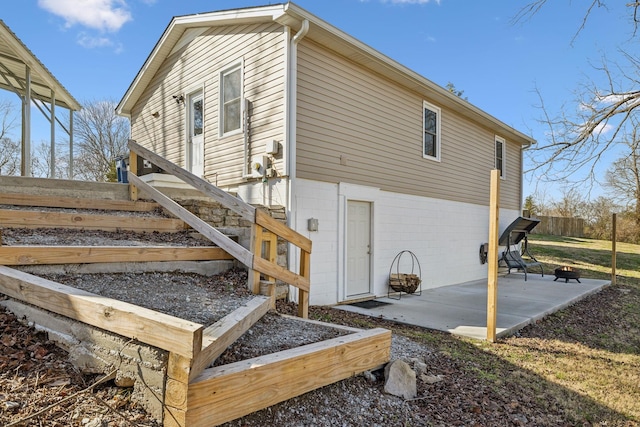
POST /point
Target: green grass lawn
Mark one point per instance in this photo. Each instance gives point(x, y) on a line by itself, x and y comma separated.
point(592, 257)
point(580, 365)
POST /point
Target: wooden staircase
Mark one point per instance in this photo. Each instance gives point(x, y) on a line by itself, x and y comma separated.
point(195, 394)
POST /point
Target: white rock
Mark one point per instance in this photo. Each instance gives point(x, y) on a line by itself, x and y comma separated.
point(400, 380)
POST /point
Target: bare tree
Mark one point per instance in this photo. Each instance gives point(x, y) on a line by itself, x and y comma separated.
point(572, 204)
point(9, 148)
point(531, 9)
point(41, 161)
point(623, 177)
point(101, 137)
point(583, 131)
point(598, 217)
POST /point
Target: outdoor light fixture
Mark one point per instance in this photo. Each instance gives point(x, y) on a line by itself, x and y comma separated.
point(156, 114)
point(179, 99)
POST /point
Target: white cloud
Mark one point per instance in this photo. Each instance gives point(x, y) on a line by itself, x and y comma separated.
point(103, 15)
point(603, 129)
point(91, 42)
point(85, 40)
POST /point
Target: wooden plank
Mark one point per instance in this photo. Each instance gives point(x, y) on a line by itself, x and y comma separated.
point(233, 248)
point(133, 168)
point(131, 321)
point(614, 227)
point(19, 199)
point(238, 206)
point(274, 270)
point(217, 337)
point(256, 245)
point(228, 392)
point(492, 283)
point(33, 255)
point(175, 390)
point(275, 226)
point(35, 219)
point(303, 294)
point(174, 417)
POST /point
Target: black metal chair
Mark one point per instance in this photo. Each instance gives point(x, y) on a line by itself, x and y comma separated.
point(515, 233)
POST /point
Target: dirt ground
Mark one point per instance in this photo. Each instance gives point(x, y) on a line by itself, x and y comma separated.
point(460, 382)
point(38, 387)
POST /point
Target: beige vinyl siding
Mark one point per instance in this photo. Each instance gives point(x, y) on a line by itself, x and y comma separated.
point(261, 48)
point(347, 111)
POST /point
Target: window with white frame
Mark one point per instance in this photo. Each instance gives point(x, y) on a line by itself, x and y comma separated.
point(231, 99)
point(500, 156)
point(431, 132)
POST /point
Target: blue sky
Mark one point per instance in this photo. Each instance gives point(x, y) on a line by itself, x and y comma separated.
point(96, 47)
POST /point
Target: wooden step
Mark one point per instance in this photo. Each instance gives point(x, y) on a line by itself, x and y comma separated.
point(35, 219)
point(34, 255)
point(17, 199)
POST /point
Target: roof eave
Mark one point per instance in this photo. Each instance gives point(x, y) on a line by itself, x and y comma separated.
point(172, 34)
point(293, 17)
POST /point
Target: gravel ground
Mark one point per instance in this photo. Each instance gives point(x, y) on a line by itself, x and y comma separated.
point(75, 237)
point(197, 298)
point(155, 213)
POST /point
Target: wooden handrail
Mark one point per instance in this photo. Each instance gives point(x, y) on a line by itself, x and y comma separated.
point(252, 259)
point(280, 229)
point(233, 248)
point(240, 207)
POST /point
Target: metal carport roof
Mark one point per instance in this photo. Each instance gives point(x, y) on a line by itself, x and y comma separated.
point(22, 73)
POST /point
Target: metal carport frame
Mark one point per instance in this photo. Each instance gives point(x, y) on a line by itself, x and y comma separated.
point(23, 74)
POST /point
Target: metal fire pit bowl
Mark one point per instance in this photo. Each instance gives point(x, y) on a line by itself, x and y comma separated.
point(567, 273)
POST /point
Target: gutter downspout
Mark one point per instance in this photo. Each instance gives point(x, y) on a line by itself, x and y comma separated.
point(291, 134)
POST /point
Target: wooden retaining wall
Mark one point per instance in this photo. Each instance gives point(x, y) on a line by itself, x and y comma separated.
point(195, 395)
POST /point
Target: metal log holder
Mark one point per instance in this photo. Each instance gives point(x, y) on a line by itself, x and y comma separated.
point(408, 283)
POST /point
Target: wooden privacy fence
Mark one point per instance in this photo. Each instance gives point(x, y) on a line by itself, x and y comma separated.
point(261, 221)
point(560, 226)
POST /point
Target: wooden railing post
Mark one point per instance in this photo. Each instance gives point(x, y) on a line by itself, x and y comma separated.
point(259, 238)
point(303, 296)
point(256, 248)
point(272, 255)
point(133, 168)
point(492, 280)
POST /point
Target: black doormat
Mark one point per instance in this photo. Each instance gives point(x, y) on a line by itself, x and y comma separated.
point(372, 303)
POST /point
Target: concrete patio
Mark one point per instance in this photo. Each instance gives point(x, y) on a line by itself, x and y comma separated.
point(462, 309)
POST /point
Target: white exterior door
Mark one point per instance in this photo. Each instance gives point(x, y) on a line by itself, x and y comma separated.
point(195, 143)
point(358, 248)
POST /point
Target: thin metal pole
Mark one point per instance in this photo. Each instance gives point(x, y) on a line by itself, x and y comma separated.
point(613, 248)
point(53, 135)
point(25, 166)
point(70, 144)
